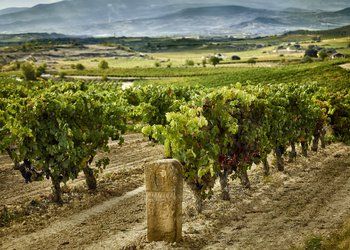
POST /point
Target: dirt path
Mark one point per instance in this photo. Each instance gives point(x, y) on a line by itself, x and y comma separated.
point(74, 223)
point(311, 197)
point(133, 154)
point(98, 78)
point(345, 66)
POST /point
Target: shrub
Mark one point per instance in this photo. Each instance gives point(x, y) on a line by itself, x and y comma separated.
point(41, 70)
point(307, 59)
point(103, 65)
point(251, 61)
point(5, 217)
point(204, 62)
point(157, 64)
point(323, 54)
point(17, 65)
point(214, 60)
point(62, 75)
point(80, 66)
point(28, 71)
point(189, 63)
point(313, 243)
point(13, 66)
point(104, 78)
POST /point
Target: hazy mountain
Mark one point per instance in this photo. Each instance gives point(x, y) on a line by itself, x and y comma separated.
point(11, 10)
point(344, 11)
point(172, 17)
point(235, 20)
point(226, 20)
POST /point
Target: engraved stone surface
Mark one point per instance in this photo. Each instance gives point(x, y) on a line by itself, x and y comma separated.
point(164, 194)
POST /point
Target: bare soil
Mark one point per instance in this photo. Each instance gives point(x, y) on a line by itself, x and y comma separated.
point(279, 212)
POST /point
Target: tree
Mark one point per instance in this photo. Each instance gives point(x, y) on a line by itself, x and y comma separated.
point(28, 71)
point(311, 52)
point(103, 65)
point(214, 60)
point(235, 58)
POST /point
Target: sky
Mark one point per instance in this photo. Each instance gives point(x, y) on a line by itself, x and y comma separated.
point(22, 3)
point(312, 4)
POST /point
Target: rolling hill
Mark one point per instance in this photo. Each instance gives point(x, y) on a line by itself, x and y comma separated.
point(338, 32)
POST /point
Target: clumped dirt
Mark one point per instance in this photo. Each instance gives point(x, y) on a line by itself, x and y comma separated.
point(279, 212)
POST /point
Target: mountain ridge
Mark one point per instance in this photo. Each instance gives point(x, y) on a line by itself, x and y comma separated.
point(108, 17)
point(11, 10)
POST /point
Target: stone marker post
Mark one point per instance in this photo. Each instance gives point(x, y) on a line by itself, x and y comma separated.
point(164, 194)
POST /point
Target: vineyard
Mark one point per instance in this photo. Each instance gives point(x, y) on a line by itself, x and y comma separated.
point(61, 131)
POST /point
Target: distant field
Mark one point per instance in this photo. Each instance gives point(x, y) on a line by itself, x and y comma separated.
point(177, 58)
point(324, 73)
point(328, 73)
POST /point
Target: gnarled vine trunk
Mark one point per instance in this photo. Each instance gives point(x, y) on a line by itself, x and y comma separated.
point(90, 178)
point(323, 138)
point(266, 166)
point(198, 198)
point(293, 153)
point(243, 175)
point(279, 159)
point(56, 190)
point(315, 143)
point(225, 193)
point(304, 148)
